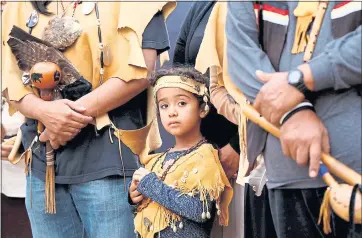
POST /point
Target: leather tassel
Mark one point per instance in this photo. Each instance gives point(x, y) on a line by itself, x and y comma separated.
point(28, 156)
point(50, 206)
point(325, 213)
point(121, 157)
point(305, 11)
point(301, 38)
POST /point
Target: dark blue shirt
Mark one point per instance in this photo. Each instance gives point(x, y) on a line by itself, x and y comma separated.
point(90, 156)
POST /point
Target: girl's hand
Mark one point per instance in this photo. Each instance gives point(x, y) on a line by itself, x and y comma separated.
point(135, 196)
point(140, 173)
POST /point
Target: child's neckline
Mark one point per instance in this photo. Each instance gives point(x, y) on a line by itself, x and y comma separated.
point(176, 151)
point(180, 150)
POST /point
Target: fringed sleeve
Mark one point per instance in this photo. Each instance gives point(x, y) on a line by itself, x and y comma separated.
point(212, 55)
point(11, 74)
point(213, 182)
point(133, 20)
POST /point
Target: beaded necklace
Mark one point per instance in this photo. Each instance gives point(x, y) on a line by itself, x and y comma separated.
point(188, 151)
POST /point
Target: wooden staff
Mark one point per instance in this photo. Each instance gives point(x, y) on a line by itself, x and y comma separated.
point(45, 76)
point(334, 166)
point(337, 196)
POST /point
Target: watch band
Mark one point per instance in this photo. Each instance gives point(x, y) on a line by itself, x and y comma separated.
point(302, 88)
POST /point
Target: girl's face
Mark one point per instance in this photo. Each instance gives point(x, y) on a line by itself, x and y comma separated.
point(179, 111)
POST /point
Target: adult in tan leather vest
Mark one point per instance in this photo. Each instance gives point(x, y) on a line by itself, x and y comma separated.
point(115, 47)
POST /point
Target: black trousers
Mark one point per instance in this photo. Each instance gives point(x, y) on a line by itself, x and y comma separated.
point(14, 218)
point(295, 214)
point(258, 222)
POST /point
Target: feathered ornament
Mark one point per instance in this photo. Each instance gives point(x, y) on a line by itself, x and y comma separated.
point(29, 50)
point(42, 62)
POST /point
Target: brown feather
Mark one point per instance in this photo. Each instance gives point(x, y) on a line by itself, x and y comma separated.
point(29, 50)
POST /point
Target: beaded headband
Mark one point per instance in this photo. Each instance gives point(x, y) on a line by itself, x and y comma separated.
point(184, 83)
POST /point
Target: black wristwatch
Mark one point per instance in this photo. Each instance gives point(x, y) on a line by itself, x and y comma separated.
point(296, 79)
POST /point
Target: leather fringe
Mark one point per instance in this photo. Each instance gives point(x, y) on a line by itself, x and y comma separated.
point(50, 206)
point(325, 213)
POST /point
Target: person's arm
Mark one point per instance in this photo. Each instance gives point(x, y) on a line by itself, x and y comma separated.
point(62, 117)
point(227, 107)
point(338, 66)
point(245, 57)
point(243, 51)
point(184, 205)
point(224, 102)
point(115, 92)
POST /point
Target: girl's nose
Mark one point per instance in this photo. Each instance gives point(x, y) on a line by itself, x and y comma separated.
point(172, 112)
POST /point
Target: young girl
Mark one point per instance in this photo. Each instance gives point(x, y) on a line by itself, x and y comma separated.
point(178, 190)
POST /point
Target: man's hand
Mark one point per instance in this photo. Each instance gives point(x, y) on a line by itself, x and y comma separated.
point(229, 160)
point(276, 97)
point(5, 150)
point(63, 120)
point(135, 196)
point(140, 173)
point(303, 138)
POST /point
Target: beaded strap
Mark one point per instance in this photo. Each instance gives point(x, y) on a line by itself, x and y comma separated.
point(101, 45)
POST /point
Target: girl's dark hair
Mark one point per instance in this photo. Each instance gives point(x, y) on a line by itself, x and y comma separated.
point(185, 71)
point(41, 7)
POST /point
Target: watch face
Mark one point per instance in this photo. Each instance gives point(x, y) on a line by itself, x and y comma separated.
point(294, 77)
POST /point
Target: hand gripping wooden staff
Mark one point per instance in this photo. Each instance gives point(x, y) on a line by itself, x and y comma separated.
point(337, 195)
point(45, 76)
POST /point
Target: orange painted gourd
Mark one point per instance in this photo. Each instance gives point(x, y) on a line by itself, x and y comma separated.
point(45, 75)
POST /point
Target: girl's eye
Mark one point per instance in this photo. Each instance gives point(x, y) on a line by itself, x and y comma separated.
point(163, 106)
point(182, 103)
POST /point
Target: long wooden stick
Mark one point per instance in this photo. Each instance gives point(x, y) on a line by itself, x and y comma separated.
point(334, 166)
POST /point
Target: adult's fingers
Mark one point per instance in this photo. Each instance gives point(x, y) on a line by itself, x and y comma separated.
point(293, 146)
point(302, 155)
point(315, 153)
point(55, 144)
point(326, 147)
point(257, 102)
point(81, 118)
point(75, 106)
point(62, 142)
point(72, 129)
point(262, 76)
point(75, 124)
point(61, 138)
point(44, 137)
point(285, 148)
